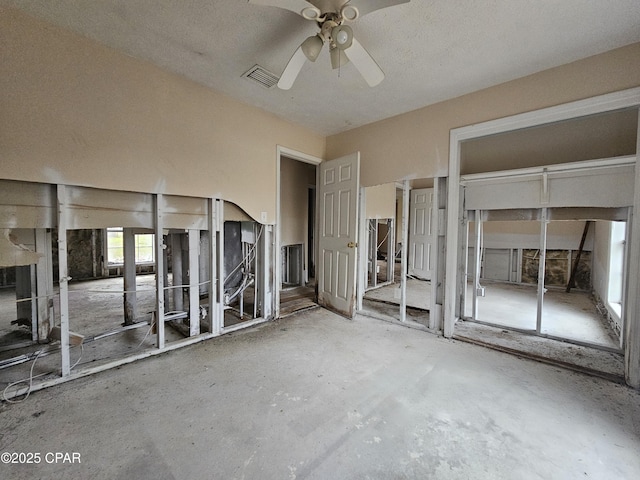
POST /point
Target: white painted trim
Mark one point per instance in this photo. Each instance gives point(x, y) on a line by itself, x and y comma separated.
point(600, 104)
point(587, 165)
point(589, 106)
point(631, 313)
point(301, 157)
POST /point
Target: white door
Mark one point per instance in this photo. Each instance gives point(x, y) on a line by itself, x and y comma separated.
point(338, 236)
point(420, 233)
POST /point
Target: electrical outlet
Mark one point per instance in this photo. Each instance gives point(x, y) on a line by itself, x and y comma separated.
point(263, 217)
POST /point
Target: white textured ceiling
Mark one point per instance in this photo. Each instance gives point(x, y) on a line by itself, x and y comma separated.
point(430, 50)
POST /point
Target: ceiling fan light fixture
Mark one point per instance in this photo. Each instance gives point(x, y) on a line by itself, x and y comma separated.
point(342, 36)
point(311, 13)
point(338, 58)
point(349, 12)
point(312, 47)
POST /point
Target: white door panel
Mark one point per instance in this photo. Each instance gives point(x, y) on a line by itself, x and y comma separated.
point(420, 233)
point(339, 186)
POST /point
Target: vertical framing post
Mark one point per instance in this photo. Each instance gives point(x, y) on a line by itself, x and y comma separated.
point(361, 284)
point(159, 251)
point(391, 249)
point(194, 280)
point(220, 217)
point(632, 303)
point(477, 262)
point(130, 297)
point(176, 269)
point(374, 252)
point(267, 279)
point(34, 305)
point(438, 249)
point(214, 326)
point(541, 268)
point(64, 281)
point(44, 288)
point(405, 250)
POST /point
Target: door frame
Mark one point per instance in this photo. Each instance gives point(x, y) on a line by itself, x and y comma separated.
point(304, 158)
point(629, 98)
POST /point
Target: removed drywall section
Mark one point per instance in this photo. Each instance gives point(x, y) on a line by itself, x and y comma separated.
point(416, 144)
point(17, 248)
point(77, 113)
point(560, 235)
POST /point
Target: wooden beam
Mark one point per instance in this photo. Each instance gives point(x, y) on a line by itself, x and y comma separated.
point(574, 269)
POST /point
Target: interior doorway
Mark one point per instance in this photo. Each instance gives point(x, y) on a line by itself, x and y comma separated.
point(403, 292)
point(296, 245)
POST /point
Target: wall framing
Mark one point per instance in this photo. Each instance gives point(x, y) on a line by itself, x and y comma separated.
point(600, 104)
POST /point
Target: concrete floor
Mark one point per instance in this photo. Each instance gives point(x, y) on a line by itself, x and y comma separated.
point(572, 315)
point(568, 315)
point(316, 396)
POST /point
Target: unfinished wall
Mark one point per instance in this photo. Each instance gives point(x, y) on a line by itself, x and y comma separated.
point(416, 144)
point(78, 113)
point(563, 235)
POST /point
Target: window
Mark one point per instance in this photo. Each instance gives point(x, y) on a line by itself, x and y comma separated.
point(144, 247)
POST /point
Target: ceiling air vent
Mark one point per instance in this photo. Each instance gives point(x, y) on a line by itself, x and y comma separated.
point(261, 76)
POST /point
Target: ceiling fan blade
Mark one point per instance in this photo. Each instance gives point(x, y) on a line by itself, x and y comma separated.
point(292, 69)
point(296, 6)
point(368, 6)
point(365, 63)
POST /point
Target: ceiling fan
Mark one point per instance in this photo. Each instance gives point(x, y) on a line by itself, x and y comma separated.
point(331, 16)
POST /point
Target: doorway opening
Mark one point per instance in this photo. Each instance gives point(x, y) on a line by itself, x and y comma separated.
point(297, 235)
point(399, 253)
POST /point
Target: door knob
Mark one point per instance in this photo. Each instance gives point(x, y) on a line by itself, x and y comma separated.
point(352, 244)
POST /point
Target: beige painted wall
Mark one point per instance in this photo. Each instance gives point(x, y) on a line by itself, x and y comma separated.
point(75, 112)
point(589, 138)
point(295, 179)
point(416, 144)
point(381, 201)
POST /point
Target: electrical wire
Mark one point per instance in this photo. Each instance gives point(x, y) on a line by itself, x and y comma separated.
point(384, 239)
point(27, 392)
point(249, 257)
